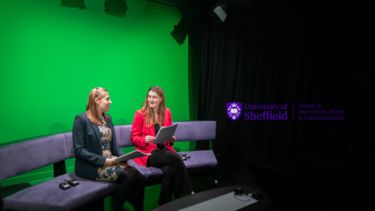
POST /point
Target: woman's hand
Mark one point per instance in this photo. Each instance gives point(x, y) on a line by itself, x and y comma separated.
point(173, 139)
point(149, 139)
point(110, 161)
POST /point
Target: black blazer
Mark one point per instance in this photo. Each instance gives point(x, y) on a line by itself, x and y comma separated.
point(88, 148)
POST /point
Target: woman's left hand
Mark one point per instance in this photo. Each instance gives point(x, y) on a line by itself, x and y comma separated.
point(110, 161)
point(173, 139)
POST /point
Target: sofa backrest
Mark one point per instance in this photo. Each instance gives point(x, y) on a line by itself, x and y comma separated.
point(196, 130)
point(123, 135)
point(189, 130)
point(28, 155)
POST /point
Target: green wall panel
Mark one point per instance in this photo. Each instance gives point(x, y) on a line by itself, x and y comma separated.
point(51, 56)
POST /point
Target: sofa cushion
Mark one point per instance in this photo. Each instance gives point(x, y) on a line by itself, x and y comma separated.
point(149, 173)
point(200, 159)
point(48, 195)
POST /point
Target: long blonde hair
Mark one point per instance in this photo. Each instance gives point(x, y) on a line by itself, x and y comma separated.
point(149, 112)
point(92, 108)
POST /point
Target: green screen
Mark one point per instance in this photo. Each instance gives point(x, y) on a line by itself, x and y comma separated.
point(51, 56)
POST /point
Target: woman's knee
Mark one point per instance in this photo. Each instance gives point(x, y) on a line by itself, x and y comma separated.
point(168, 170)
point(134, 174)
point(175, 158)
point(130, 174)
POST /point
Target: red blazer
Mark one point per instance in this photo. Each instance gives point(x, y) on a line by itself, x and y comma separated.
point(140, 131)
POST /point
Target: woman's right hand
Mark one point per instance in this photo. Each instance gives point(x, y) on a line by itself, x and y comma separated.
point(149, 139)
point(110, 161)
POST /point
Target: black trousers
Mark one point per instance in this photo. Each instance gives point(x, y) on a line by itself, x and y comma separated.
point(131, 189)
point(175, 178)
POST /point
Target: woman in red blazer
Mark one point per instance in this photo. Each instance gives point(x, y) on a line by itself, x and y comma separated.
point(147, 122)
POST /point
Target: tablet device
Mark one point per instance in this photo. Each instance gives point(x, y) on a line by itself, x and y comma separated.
point(165, 133)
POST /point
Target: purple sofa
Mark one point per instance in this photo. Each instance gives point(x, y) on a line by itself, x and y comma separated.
point(28, 155)
point(199, 161)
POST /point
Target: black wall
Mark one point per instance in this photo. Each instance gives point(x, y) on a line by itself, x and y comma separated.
point(277, 52)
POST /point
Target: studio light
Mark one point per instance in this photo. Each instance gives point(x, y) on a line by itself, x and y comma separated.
point(180, 31)
point(218, 12)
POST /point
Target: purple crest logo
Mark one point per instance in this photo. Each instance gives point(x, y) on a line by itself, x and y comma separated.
point(234, 110)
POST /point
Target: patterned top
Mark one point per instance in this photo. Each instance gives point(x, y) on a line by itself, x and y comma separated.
point(106, 139)
point(108, 173)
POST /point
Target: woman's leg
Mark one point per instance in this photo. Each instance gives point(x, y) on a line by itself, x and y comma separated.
point(175, 178)
point(131, 188)
point(167, 185)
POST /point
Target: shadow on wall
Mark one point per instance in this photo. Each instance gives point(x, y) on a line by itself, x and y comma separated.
point(122, 121)
point(58, 127)
point(116, 8)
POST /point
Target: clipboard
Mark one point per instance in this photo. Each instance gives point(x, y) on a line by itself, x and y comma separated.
point(165, 133)
point(131, 155)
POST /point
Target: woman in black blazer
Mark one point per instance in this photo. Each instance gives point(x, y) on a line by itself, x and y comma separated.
point(95, 149)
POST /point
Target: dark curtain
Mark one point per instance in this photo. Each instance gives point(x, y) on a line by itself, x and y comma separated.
point(285, 52)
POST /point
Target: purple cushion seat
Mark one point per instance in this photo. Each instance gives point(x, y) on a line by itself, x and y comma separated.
point(48, 195)
point(147, 172)
point(200, 159)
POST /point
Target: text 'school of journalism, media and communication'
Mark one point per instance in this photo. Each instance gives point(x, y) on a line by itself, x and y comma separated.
point(283, 112)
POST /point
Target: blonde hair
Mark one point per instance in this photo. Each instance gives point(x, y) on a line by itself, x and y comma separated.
point(96, 94)
point(149, 112)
